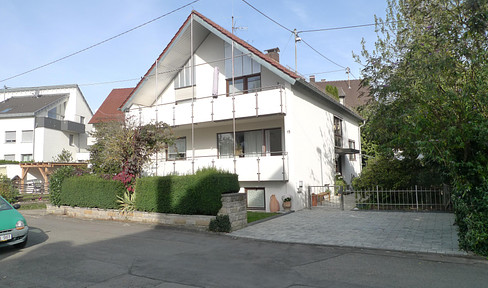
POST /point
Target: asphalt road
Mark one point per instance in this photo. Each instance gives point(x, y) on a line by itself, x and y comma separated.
point(66, 252)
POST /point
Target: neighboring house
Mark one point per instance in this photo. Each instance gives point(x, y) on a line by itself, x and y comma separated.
point(110, 108)
point(354, 94)
point(213, 87)
point(37, 123)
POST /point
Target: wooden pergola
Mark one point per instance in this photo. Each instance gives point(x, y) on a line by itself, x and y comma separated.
point(45, 168)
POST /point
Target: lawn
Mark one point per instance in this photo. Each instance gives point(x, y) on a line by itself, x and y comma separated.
point(255, 216)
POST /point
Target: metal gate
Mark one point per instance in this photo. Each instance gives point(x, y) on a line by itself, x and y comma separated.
point(326, 196)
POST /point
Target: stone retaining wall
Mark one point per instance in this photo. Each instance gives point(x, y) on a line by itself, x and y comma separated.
point(233, 205)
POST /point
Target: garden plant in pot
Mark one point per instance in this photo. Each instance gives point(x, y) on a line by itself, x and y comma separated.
point(286, 202)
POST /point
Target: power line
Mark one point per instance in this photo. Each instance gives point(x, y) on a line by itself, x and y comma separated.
point(343, 27)
point(337, 28)
point(271, 19)
point(325, 57)
point(99, 43)
point(325, 72)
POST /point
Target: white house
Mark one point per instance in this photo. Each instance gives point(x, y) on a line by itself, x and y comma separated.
point(213, 87)
point(37, 123)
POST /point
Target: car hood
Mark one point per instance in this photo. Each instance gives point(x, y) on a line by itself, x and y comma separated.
point(8, 218)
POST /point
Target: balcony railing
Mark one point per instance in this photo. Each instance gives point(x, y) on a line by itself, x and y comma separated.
point(265, 168)
point(268, 101)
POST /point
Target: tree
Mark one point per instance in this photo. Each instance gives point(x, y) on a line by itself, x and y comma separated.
point(64, 157)
point(127, 147)
point(427, 78)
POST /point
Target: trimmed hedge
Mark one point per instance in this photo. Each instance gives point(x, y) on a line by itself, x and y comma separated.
point(198, 194)
point(90, 191)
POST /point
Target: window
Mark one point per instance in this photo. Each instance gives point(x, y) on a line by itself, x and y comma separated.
point(82, 120)
point(256, 198)
point(183, 79)
point(352, 145)
point(247, 72)
point(244, 84)
point(337, 132)
point(71, 140)
point(27, 136)
point(178, 150)
point(52, 113)
point(250, 143)
point(26, 157)
point(10, 137)
point(9, 157)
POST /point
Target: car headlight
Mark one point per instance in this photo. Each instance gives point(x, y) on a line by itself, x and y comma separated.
point(19, 225)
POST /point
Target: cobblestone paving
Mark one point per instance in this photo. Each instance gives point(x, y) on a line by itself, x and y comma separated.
point(401, 231)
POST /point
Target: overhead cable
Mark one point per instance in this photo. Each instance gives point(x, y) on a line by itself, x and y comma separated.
point(99, 43)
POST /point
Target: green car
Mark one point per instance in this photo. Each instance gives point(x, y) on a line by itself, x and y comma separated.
point(13, 227)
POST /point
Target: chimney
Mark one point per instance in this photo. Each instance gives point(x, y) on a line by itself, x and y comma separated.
point(342, 96)
point(312, 78)
point(273, 53)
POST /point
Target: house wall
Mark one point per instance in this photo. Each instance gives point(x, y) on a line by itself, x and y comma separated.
point(18, 148)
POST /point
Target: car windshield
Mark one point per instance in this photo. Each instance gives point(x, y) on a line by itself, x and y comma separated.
point(4, 205)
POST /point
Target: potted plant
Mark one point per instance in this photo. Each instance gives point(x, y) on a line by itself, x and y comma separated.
point(286, 202)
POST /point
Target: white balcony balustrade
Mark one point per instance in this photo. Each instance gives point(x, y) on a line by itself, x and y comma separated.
point(265, 168)
point(268, 101)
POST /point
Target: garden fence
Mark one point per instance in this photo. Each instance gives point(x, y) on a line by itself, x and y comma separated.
point(415, 199)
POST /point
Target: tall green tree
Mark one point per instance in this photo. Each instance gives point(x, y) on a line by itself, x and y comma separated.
point(428, 81)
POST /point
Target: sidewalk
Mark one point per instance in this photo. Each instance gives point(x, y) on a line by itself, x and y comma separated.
point(400, 231)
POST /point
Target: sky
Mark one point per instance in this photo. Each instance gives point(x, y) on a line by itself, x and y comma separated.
point(34, 33)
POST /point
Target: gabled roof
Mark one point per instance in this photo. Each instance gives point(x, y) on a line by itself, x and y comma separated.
point(177, 53)
point(109, 110)
point(25, 106)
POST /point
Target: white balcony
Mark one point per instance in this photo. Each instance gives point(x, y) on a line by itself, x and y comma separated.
point(209, 109)
point(266, 168)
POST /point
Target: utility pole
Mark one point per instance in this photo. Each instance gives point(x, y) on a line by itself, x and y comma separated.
point(297, 39)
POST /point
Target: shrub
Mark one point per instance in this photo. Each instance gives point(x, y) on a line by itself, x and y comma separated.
point(56, 180)
point(91, 191)
point(198, 194)
point(7, 190)
point(221, 223)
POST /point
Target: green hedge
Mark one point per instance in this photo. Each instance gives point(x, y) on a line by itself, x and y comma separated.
point(198, 194)
point(90, 191)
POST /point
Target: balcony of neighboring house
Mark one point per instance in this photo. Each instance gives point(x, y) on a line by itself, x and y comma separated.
point(259, 102)
point(57, 122)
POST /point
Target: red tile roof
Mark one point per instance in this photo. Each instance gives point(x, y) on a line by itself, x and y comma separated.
point(226, 33)
point(109, 110)
point(355, 94)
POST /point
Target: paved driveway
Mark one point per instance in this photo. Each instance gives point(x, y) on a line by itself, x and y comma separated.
point(401, 231)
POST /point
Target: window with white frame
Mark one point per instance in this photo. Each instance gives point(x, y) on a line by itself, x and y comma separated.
point(71, 140)
point(82, 120)
point(9, 157)
point(256, 198)
point(352, 145)
point(337, 132)
point(27, 136)
point(183, 79)
point(26, 157)
point(177, 151)
point(10, 137)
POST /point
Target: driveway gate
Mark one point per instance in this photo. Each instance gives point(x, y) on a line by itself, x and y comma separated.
point(326, 196)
